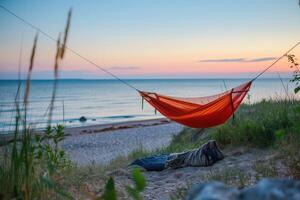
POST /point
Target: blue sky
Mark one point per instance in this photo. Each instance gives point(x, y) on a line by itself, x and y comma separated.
point(152, 38)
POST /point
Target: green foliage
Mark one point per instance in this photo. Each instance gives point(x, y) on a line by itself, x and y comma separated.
point(32, 162)
point(47, 148)
point(297, 88)
point(297, 109)
point(140, 184)
point(259, 125)
point(279, 134)
point(110, 192)
point(296, 74)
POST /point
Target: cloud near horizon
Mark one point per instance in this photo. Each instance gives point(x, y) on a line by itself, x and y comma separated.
point(262, 59)
point(123, 68)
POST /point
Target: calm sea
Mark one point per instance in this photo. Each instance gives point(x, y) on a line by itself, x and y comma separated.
point(109, 101)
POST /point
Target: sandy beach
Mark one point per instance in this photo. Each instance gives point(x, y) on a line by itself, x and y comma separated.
point(99, 144)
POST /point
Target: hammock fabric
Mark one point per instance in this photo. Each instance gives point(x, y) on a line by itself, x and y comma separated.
point(199, 112)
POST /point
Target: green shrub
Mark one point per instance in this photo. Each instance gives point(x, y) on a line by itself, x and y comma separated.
point(47, 149)
point(259, 125)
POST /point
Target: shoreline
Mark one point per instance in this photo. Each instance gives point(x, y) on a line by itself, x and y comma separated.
point(102, 144)
point(97, 128)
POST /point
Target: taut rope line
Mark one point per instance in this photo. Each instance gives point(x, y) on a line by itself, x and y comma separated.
point(285, 54)
point(67, 47)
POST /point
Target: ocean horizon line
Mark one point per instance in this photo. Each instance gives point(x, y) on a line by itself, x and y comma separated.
point(134, 79)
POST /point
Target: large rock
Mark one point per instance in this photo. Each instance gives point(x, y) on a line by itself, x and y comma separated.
point(83, 119)
point(273, 189)
point(266, 189)
point(212, 191)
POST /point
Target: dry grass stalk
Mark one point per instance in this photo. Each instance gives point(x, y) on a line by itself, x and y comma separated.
point(66, 34)
point(60, 52)
point(23, 173)
point(27, 90)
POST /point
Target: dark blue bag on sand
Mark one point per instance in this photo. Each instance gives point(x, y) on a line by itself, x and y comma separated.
point(152, 163)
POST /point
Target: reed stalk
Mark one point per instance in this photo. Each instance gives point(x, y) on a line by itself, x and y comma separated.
point(23, 173)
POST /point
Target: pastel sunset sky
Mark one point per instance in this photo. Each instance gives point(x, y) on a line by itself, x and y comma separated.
point(152, 38)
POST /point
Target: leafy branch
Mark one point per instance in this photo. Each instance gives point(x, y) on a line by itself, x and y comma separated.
point(296, 73)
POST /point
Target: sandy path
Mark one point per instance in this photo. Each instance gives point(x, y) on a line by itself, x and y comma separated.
point(160, 185)
point(99, 145)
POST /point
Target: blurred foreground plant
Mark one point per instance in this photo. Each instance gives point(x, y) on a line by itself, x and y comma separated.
point(28, 164)
point(110, 192)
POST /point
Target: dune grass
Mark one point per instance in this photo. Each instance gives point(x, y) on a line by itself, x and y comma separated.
point(30, 164)
point(260, 124)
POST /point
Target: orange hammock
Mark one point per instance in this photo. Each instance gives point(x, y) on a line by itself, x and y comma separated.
point(199, 112)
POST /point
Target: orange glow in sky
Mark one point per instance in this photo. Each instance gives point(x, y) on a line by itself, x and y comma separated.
point(152, 40)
